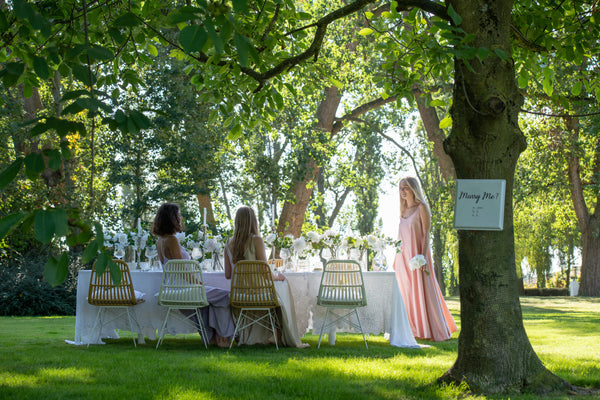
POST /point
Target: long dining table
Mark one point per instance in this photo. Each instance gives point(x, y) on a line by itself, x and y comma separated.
point(384, 313)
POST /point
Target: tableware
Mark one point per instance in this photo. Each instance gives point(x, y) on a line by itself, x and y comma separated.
point(120, 252)
point(285, 255)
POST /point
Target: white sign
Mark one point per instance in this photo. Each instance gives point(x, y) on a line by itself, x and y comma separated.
point(479, 204)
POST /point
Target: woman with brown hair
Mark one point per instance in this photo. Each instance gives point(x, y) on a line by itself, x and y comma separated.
point(217, 316)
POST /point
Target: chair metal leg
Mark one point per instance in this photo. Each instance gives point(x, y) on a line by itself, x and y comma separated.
point(273, 328)
point(162, 329)
point(323, 327)
point(361, 328)
point(98, 317)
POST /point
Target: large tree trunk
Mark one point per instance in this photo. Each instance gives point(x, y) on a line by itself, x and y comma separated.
point(294, 208)
point(589, 223)
point(494, 353)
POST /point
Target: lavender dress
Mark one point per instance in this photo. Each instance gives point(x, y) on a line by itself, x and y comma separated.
point(217, 316)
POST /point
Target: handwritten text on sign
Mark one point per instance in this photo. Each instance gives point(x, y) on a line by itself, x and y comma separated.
point(479, 204)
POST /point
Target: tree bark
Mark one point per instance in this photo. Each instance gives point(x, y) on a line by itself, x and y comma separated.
point(589, 223)
point(431, 122)
point(294, 208)
point(494, 353)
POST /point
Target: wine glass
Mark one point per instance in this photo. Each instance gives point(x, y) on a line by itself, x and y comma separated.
point(120, 252)
point(150, 253)
point(285, 255)
point(326, 253)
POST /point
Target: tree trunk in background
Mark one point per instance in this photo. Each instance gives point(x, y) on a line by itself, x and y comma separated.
point(431, 122)
point(294, 208)
point(494, 352)
point(205, 202)
point(589, 224)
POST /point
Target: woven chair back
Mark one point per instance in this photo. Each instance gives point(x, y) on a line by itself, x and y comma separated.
point(342, 285)
point(182, 285)
point(252, 286)
point(103, 291)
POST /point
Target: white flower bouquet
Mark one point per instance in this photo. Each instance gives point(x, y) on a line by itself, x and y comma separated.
point(417, 262)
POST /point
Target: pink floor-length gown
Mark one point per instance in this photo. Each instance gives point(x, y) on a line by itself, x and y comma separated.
point(428, 314)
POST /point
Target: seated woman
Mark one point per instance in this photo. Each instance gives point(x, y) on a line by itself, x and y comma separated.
point(217, 316)
point(246, 244)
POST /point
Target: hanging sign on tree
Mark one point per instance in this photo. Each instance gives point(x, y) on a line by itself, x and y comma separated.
point(479, 204)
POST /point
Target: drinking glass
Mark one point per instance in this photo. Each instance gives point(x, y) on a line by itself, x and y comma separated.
point(285, 255)
point(150, 253)
point(120, 252)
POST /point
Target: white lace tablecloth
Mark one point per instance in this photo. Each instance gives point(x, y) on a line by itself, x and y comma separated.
point(384, 313)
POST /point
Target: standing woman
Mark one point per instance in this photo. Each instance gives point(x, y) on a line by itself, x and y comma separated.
point(246, 244)
point(427, 311)
point(217, 316)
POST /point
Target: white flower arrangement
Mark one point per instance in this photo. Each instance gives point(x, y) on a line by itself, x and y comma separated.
point(417, 262)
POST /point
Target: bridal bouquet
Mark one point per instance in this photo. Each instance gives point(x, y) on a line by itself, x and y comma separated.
point(417, 262)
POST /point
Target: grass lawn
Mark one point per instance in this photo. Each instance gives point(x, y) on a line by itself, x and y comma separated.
point(36, 363)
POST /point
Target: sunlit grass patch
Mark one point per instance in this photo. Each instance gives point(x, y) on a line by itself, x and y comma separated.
point(37, 363)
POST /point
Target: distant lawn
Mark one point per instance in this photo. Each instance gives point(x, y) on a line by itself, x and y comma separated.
point(36, 363)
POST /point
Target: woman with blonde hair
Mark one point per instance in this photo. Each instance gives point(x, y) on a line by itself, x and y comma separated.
point(246, 244)
point(427, 311)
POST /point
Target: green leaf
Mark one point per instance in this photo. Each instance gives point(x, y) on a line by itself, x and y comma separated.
point(576, 89)
point(235, 133)
point(547, 86)
point(61, 222)
point(34, 164)
point(446, 122)
point(3, 22)
point(365, 31)
point(152, 50)
point(113, 268)
point(54, 160)
point(57, 269)
point(44, 226)
point(90, 252)
point(82, 73)
point(216, 39)
point(116, 35)
point(192, 38)
point(140, 120)
point(73, 94)
point(242, 49)
point(100, 53)
point(9, 174)
point(369, 14)
point(456, 18)
point(501, 53)
point(15, 68)
point(240, 6)
point(437, 103)
point(126, 20)
point(22, 9)
point(523, 79)
point(9, 222)
point(65, 150)
point(41, 67)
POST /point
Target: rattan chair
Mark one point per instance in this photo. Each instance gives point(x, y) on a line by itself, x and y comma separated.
point(342, 287)
point(104, 294)
point(182, 288)
point(253, 293)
